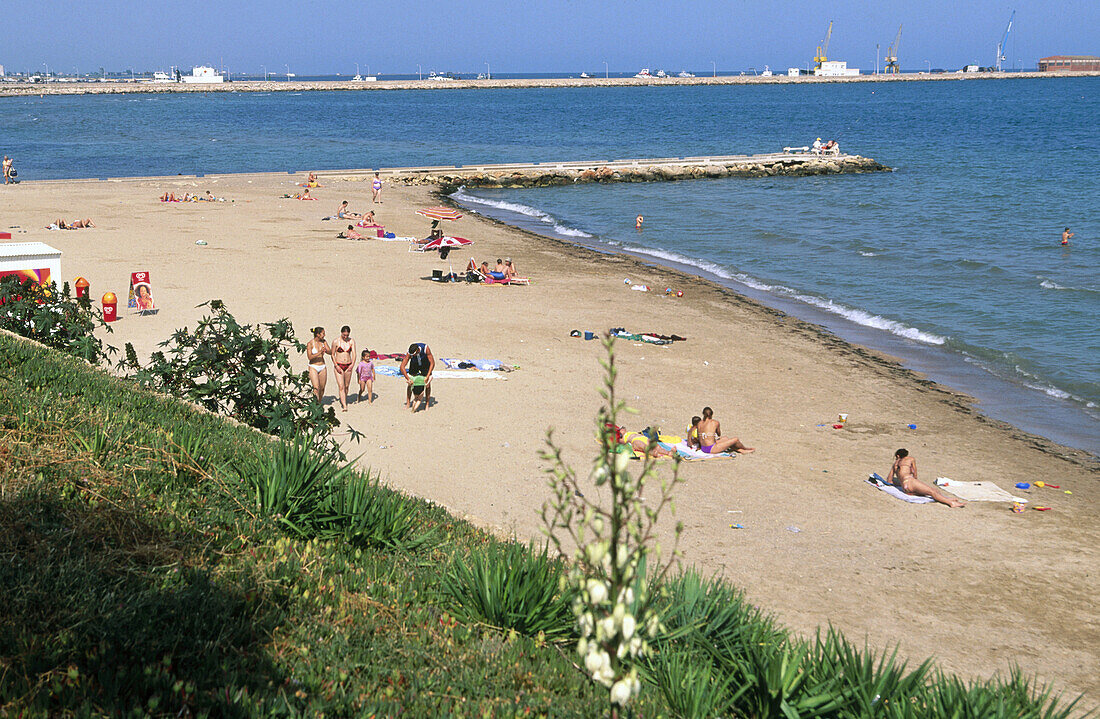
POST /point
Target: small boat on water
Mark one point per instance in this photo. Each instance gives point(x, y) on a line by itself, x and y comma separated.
point(585, 74)
point(662, 73)
point(767, 72)
point(645, 73)
point(685, 73)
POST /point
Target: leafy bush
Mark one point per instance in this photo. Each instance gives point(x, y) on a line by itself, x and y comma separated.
point(366, 514)
point(691, 685)
point(242, 371)
point(871, 684)
point(510, 586)
point(52, 316)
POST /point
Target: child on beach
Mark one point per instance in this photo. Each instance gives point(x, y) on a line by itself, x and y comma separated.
point(365, 371)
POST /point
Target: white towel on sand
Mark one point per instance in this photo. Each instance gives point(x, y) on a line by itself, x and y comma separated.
point(876, 481)
point(977, 491)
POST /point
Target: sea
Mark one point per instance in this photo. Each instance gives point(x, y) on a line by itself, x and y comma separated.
point(952, 262)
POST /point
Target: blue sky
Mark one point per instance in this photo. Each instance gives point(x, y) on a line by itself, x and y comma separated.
point(535, 36)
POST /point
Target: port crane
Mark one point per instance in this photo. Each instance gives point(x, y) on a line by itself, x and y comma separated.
point(892, 55)
point(823, 48)
point(1002, 46)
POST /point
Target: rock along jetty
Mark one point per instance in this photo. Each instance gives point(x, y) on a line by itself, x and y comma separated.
point(548, 174)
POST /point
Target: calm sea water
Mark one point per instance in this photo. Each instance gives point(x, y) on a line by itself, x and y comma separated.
point(953, 262)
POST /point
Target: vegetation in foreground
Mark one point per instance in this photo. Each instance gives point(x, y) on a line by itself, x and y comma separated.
point(157, 560)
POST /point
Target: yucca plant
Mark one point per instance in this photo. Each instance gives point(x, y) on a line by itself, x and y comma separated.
point(369, 515)
point(293, 484)
point(712, 612)
point(1017, 698)
point(188, 453)
point(510, 586)
point(690, 684)
point(778, 681)
point(871, 683)
point(99, 444)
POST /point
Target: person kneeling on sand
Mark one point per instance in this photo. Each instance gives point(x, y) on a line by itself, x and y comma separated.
point(711, 440)
point(417, 367)
point(903, 475)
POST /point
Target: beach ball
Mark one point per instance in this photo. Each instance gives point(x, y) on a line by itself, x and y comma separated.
point(679, 293)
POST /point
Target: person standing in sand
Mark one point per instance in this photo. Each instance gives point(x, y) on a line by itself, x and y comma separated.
point(316, 349)
point(417, 367)
point(343, 358)
point(376, 189)
point(7, 169)
point(711, 440)
point(1066, 235)
point(903, 475)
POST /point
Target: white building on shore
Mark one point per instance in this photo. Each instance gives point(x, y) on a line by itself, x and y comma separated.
point(835, 68)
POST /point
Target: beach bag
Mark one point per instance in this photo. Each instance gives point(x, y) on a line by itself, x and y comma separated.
point(12, 172)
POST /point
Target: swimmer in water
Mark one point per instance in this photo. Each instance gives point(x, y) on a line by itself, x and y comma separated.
point(1066, 234)
point(638, 222)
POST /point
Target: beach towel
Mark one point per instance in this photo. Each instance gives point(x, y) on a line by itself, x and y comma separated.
point(977, 491)
point(482, 364)
point(386, 371)
point(876, 481)
point(690, 453)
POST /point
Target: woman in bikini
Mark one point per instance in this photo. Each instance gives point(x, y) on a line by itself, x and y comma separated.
point(316, 349)
point(343, 358)
point(376, 189)
point(711, 440)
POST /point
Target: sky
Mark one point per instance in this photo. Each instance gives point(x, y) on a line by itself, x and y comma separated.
point(566, 36)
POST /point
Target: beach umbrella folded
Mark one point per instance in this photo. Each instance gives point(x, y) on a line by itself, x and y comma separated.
point(449, 242)
point(439, 213)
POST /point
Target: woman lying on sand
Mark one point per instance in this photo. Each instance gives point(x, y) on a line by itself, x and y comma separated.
point(60, 224)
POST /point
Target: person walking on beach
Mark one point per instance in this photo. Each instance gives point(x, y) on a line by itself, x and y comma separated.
point(417, 367)
point(903, 475)
point(316, 349)
point(1066, 234)
point(376, 189)
point(711, 440)
point(7, 170)
point(343, 358)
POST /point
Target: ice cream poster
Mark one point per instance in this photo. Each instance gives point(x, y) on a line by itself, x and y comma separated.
point(141, 294)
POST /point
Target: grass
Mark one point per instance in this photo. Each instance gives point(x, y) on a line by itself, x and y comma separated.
point(158, 560)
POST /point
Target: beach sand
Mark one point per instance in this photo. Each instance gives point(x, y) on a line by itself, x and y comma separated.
point(979, 588)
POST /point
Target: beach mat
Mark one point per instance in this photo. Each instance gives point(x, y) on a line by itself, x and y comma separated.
point(879, 483)
point(387, 371)
point(690, 454)
point(481, 364)
point(977, 491)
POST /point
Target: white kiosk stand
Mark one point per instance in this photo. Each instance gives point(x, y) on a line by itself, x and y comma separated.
point(31, 260)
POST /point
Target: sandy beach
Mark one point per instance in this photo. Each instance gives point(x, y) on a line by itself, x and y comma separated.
point(980, 588)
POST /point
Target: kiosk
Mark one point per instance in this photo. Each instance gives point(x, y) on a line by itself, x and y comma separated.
point(31, 260)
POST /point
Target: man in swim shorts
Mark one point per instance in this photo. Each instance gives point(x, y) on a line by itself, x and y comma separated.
point(903, 475)
point(1066, 234)
point(417, 368)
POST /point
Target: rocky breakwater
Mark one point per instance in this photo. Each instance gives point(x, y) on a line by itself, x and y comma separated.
point(550, 175)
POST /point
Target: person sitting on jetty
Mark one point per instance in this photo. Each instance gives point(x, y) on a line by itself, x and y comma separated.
point(60, 224)
point(817, 146)
point(903, 475)
point(830, 148)
point(711, 440)
point(344, 213)
point(417, 368)
point(350, 234)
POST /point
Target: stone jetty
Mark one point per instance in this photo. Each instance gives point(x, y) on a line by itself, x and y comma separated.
point(550, 174)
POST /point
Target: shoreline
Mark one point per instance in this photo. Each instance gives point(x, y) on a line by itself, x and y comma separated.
point(123, 87)
point(919, 360)
point(955, 583)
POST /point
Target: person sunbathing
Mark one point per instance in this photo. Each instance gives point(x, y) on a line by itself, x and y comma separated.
point(168, 197)
point(77, 225)
point(350, 234)
point(509, 270)
point(640, 441)
point(903, 475)
point(711, 440)
point(304, 195)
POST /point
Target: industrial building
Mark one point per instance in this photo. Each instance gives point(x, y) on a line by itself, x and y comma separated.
point(1070, 63)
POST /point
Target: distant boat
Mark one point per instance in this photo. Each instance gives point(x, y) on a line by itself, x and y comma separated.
point(767, 72)
point(685, 73)
point(644, 73)
point(662, 73)
point(481, 76)
point(290, 75)
point(201, 75)
point(585, 74)
point(357, 78)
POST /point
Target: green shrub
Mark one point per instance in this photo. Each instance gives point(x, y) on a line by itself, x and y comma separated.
point(870, 684)
point(52, 316)
point(366, 514)
point(1017, 698)
point(690, 684)
point(242, 371)
point(778, 681)
point(510, 586)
